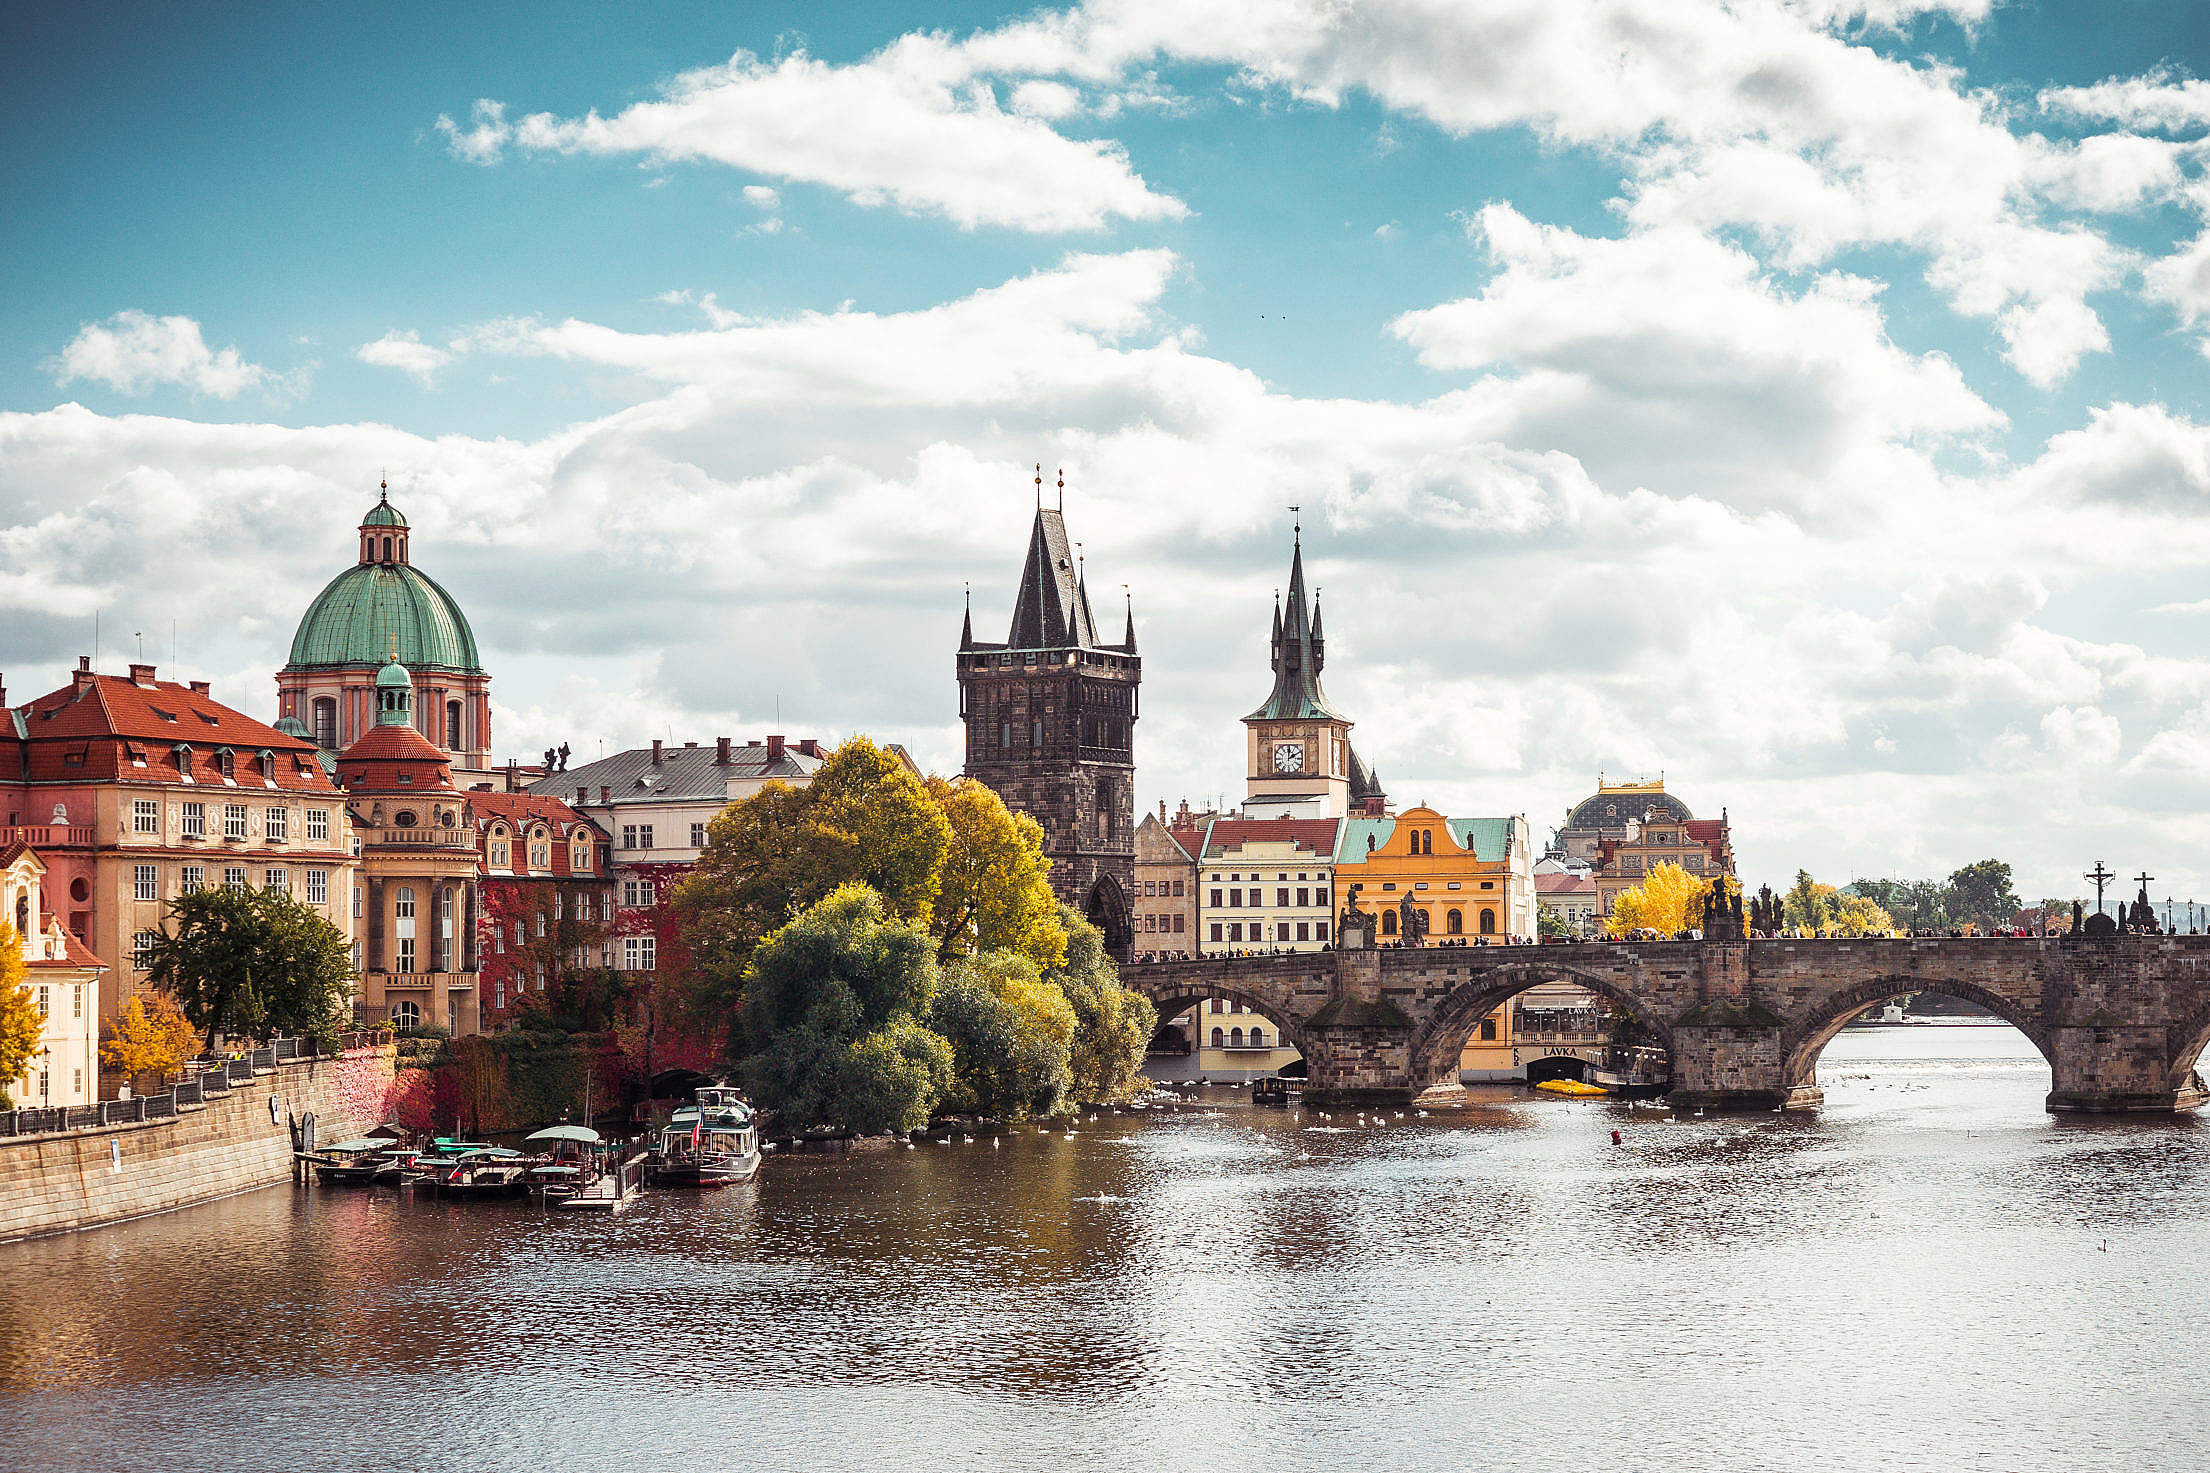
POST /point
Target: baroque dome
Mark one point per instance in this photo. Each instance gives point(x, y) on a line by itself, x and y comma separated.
point(1614, 807)
point(384, 606)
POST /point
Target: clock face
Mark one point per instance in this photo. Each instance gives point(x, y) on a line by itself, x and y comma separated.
point(1289, 756)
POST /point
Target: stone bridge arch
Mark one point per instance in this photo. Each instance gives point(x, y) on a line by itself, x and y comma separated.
point(1173, 997)
point(1806, 1037)
point(1437, 1044)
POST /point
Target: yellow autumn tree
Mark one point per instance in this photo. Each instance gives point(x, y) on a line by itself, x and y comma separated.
point(150, 1035)
point(21, 1025)
point(995, 890)
point(1668, 900)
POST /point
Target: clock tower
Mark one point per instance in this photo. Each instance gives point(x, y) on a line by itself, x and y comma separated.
point(1301, 761)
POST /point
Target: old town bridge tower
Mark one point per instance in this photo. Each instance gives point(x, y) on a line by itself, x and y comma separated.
point(1051, 727)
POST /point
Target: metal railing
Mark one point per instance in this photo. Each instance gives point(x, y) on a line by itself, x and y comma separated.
point(188, 1088)
point(452, 838)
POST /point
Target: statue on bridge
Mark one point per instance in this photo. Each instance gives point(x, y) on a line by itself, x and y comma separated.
point(1411, 922)
point(1723, 920)
point(1354, 928)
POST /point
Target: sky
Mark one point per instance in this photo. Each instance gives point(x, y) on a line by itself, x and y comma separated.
point(1802, 401)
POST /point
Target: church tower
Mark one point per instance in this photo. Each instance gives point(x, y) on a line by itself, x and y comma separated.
point(1051, 726)
point(1301, 762)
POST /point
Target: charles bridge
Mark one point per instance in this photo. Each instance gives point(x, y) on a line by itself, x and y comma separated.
point(2120, 1018)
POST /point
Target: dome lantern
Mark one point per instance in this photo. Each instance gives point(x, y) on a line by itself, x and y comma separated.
point(383, 531)
point(394, 694)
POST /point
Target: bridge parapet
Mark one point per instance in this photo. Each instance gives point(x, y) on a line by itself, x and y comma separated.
point(2121, 1019)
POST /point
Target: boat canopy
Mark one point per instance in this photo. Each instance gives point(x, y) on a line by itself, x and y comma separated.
point(582, 1133)
point(349, 1148)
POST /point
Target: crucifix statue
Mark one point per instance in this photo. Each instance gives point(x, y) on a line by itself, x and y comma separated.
point(2101, 875)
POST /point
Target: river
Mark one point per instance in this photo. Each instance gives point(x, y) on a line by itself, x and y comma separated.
point(1929, 1272)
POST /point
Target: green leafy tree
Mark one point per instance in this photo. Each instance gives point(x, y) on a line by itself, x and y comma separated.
point(1112, 1026)
point(995, 889)
point(21, 1023)
point(1981, 894)
point(833, 1010)
point(865, 819)
point(1011, 1034)
point(1808, 903)
point(1549, 923)
point(253, 963)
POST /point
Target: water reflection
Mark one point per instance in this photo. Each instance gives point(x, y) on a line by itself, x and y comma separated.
point(1928, 1272)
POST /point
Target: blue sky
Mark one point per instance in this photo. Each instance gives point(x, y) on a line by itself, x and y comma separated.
point(1804, 399)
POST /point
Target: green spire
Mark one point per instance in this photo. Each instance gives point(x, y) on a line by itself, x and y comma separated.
point(1298, 655)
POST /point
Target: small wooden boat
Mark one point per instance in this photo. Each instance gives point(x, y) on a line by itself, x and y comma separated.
point(713, 1142)
point(1573, 1089)
point(355, 1163)
point(1273, 1090)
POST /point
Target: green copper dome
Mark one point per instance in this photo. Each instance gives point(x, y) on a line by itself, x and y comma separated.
point(372, 610)
point(383, 514)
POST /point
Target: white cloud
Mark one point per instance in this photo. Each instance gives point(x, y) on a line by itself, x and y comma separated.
point(404, 350)
point(133, 351)
point(910, 126)
point(764, 196)
point(2158, 99)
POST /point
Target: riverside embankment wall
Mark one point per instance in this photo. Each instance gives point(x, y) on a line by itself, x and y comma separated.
point(85, 1178)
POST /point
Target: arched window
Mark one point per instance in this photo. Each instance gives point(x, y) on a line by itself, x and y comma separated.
point(1454, 922)
point(1219, 1039)
point(452, 726)
point(1488, 922)
point(1389, 923)
point(326, 722)
point(1235, 1038)
point(387, 549)
point(406, 1014)
point(1258, 1038)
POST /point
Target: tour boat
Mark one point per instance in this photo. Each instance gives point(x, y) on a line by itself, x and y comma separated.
point(489, 1171)
point(1633, 1073)
point(573, 1164)
point(712, 1143)
point(358, 1163)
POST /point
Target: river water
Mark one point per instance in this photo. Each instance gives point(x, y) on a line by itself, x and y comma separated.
point(1929, 1272)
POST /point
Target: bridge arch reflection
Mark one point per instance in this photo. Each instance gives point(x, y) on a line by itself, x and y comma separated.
point(1436, 1047)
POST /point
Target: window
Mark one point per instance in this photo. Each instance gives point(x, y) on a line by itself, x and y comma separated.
point(141, 949)
point(1035, 733)
point(644, 836)
point(498, 852)
point(1235, 932)
point(1303, 897)
point(452, 726)
point(1216, 930)
point(406, 954)
point(1178, 924)
point(145, 816)
point(1235, 899)
point(579, 858)
point(402, 904)
point(356, 902)
point(279, 823)
point(1258, 897)
point(1389, 923)
point(540, 923)
point(145, 882)
point(501, 995)
point(318, 887)
point(406, 1013)
point(1258, 1038)
point(698, 836)
point(318, 824)
point(76, 1010)
point(629, 836)
point(1281, 898)
point(191, 877)
point(559, 905)
point(1304, 927)
point(1488, 1030)
point(234, 820)
point(1216, 899)
point(1488, 923)
point(195, 820)
point(1454, 922)
point(540, 856)
point(1319, 930)
point(637, 953)
point(1177, 887)
point(326, 722)
point(278, 881)
point(1219, 1038)
point(234, 877)
point(1235, 1038)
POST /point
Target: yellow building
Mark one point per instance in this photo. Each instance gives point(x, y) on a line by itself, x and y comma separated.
point(1469, 878)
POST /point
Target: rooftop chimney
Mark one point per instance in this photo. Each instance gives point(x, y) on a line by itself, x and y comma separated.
point(583, 795)
point(199, 687)
point(606, 794)
point(655, 751)
point(774, 750)
point(810, 747)
point(514, 774)
point(141, 675)
point(721, 751)
point(82, 676)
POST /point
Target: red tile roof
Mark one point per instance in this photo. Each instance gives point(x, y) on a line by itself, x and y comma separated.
point(1192, 840)
point(105, 728)
point(373, 762)
point(521, 808)
point(1563, 884)
point(1315, 834)
point(75, 954)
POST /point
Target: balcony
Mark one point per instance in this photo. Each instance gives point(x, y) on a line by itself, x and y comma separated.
point(48, 835)
point(452, 838)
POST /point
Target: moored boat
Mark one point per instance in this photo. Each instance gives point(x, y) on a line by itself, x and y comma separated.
point(1572, 1089)
point(488, 1171)
point(712, 1142)
point(357, 1163)
point(573, 1165)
